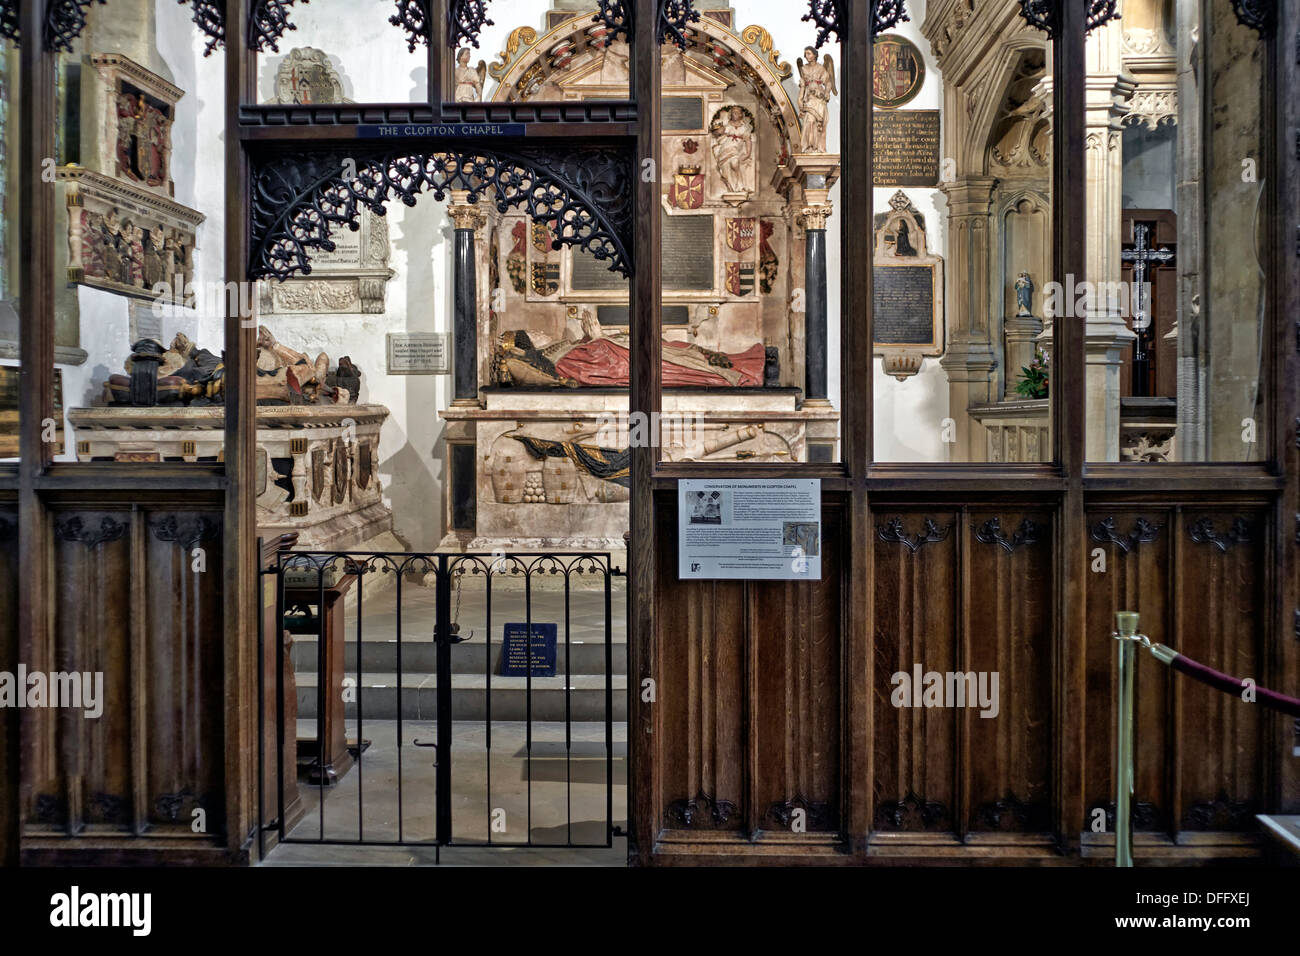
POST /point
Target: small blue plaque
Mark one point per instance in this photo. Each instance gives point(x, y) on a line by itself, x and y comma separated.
point(443, 130)
point(515, 651)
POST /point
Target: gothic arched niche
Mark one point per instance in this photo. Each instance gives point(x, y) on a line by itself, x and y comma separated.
point(1020, 139)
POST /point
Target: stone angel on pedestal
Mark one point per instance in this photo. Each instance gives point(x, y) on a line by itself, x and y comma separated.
point(469, 79)
point(816, 87)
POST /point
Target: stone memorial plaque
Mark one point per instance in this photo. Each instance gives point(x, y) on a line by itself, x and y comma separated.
point(906, 147)
point(146, 323)
point(688, 253)
point(590, 274)
point(903, 304)
point(418, 353)
point(516, 654)
point(682, 113)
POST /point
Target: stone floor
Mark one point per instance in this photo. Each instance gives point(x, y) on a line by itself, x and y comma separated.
point(553, 793)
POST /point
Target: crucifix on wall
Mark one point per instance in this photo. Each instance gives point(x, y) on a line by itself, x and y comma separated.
point(1149, 259)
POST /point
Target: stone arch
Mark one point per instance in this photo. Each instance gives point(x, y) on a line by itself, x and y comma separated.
point(532, 57)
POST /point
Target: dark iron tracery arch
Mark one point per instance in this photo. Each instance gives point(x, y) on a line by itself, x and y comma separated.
point(298, 197)
point(9, 29)
point(1043, 14)
point(828, 17)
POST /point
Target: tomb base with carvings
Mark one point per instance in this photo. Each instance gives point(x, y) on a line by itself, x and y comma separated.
point(533, 469)
point(317, 465)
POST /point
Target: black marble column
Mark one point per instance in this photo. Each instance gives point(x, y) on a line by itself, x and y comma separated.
point(814, 305)
point(465, 321)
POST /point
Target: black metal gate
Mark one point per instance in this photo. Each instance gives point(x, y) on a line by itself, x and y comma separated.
point(315, 607)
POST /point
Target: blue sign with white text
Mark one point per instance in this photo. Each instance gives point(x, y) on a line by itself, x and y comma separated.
point(426, 130)
point(515, 651)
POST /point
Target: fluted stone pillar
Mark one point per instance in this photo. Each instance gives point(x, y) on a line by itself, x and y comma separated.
point(467, 219)
point(1106, 335)
point(969, 356)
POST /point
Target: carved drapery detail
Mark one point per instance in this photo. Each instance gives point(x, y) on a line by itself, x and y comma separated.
point(1203, 531)
point(990, 532)
point(1143, 532)
point(1042, 14)
point(188, 531)
point(75, 529)
point(701, 812)
point(892, 531)
point(299, 197)
point(1259, 15)
point(64, 21)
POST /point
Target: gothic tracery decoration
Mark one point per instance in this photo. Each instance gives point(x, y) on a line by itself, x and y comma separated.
point(64, 21)
point(270, 21)
point(991, 533)
point(828, 17)
point(1256, 14)
point(1042, 14)
point(892, 531)
point(1143, 532)
point(675, 16)
point(9, 20)
point(465, 20)
point(413, 17)
point(1203, 531)
point(298, 198)
point(825, 16)
point(210, 18)
point(616, 16)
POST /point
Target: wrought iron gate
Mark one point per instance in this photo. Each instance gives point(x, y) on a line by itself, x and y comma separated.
point(315, 626)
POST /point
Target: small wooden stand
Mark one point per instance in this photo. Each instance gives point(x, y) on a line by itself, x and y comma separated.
point(336, 759)
point(273, 631)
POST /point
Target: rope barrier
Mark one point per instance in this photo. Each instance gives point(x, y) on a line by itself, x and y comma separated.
point(1126, 623)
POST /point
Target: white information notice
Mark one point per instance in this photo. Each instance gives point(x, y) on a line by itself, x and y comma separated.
point(750, 528)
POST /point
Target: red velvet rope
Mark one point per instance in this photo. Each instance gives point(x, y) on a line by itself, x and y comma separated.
point(1231, 685)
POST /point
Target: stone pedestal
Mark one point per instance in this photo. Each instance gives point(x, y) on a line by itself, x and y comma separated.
point(1021, 333)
